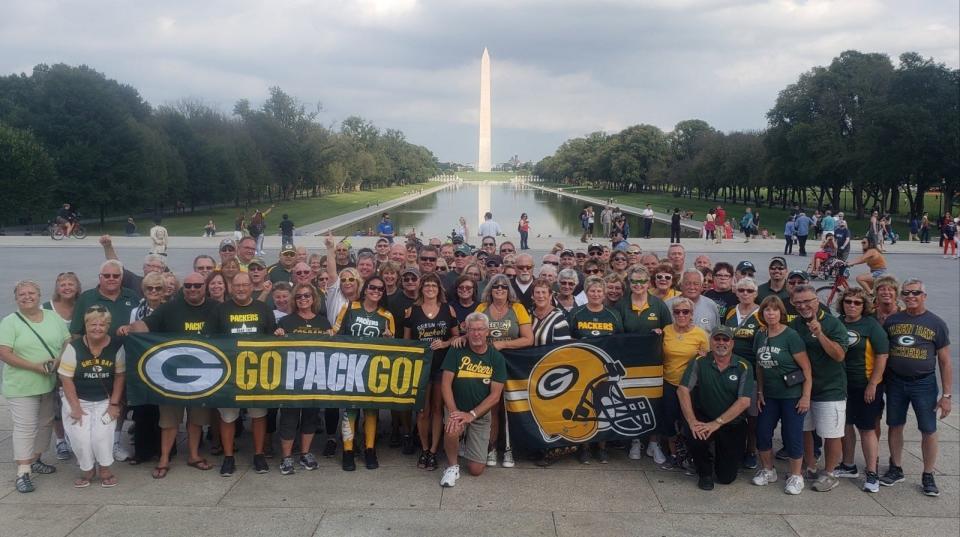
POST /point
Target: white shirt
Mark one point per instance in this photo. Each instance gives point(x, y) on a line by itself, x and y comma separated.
point(489, 228)
point(647, 213)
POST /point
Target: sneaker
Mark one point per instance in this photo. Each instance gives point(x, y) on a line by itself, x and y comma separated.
point(846, 470)
point(394, 439)
point(491, 458)
point(811, 474)
point(508, 458)
point(260, 464)
point(286, 466)
point(545, 459)
point(309, 462)
point(450, 476)
point(422, 459)
point(782, 454)
point(750, 461)
point(872, 482)
point(40, 467)
point(330, 448)
point(893, 475)
point(764, 477)
point(120, 453)
point(705, 482)
point(268, 450)
point(431, 461)
point(348, 464)
point(688, 467)
point(603, 456)
point(794, 485)
point(929, 485)
point(228, 467)
point(370, 459)
point(636, 450)
point(63, 450)
point(24, 484)
point(654, 452)
point(670, 463)
point(825, 482)
point(407, 447)
point(583, 454)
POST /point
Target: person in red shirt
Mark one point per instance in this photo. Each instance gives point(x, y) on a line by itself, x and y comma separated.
point(721, 216)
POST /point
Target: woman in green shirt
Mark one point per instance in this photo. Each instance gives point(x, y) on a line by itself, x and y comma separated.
point(31, 340)
point(783, 394)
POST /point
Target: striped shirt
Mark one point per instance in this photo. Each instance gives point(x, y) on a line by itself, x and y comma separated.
point(550, 329)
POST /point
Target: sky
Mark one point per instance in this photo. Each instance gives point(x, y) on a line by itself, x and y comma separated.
point(560, 68)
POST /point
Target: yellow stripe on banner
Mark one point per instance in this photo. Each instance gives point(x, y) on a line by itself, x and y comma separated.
point(321, 397)
point(644, 392)
point(644, 371)
point(517, 385)
point(334, 344)
point(517, 406)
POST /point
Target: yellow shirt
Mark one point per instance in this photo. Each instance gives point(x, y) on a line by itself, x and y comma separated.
point(679, 349)
point(670, 294)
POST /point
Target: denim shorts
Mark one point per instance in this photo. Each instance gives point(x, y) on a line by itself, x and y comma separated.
point(783, 411)
point(921, 393)
point(860, 413)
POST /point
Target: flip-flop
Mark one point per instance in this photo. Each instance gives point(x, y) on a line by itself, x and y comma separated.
point(160, 472)
point(81, 483)
point(200, 464)
point(108, 482)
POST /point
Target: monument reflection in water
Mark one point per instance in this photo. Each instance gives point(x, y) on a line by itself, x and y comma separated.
point(438, 213)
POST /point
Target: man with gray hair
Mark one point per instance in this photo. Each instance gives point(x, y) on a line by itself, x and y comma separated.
point(523, 283)
point(706, 313)
point(472, 382)
point(919, 343)
point(151, 263)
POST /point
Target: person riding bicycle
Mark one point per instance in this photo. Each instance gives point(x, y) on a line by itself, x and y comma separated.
point(67, 218)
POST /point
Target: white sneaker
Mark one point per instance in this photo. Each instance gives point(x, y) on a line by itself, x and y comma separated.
point(492, 457)
point(653, 450)
point(764, 477)
point(794, 485)
point(450, 476)
point(507, 459)
point(120, 453)
point(636, 451)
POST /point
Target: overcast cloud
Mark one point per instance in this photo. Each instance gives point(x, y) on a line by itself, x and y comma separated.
point(560, 68)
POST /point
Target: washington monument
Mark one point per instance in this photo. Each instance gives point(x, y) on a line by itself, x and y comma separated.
point(483, 162)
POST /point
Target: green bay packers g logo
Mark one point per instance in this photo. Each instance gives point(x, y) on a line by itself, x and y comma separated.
point(184, 369)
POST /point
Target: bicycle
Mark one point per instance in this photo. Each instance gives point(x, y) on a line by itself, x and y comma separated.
point(56, 231)
point(827, 293)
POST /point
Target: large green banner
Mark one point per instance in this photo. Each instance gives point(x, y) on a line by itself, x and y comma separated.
point(228, 372)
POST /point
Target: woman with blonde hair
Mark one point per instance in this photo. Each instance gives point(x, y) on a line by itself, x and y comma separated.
point(66, 289)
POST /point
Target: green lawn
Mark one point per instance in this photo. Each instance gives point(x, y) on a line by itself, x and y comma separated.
point(486, 176)
point(301, 211)
point(772, 219)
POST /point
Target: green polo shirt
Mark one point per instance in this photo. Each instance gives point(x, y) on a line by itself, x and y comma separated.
point(829, 375)
point(277, 273)
point(654, 315)
point(119, 309)
point(763, 291)
point(715, 390)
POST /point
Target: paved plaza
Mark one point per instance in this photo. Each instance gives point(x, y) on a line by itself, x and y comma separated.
point(622, 498)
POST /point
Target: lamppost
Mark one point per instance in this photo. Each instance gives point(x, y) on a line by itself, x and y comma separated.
point(943, 188)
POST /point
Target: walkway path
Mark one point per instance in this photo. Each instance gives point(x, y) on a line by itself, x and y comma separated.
point(323, 226)
point(694, 225)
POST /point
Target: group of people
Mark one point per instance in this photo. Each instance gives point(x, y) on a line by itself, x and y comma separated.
point(739, 357)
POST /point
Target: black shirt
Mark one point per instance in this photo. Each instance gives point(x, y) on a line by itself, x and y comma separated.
point(397, 304)
point(256, 318)
point(180, 317)
point(295, 324)
point(286, 227)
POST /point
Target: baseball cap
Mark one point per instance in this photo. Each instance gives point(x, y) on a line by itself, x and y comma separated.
point(227, 242)
point(777, 259)
point(257, 261)
point(463, 249)
point(798, 274)
point(566, 252)
point(383, 240)
point(595, 246)
point(288, 248)
point(410, 270)
point(744, 266)
point(495, 260)
point(722, 330)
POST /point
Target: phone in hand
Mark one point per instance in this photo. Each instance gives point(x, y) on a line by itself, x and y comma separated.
point(106, 418)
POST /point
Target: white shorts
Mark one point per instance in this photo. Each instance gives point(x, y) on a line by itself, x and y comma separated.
point(230, 415)
point(828, 418)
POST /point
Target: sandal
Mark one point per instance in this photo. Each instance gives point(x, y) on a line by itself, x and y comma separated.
point(160, 472)
point(83, 481)
point(109, 481)
point(200, 464)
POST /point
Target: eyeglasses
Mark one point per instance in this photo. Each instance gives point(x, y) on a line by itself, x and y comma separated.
point(619, 259)
point(459, 254)
point(721, 338)
point(664, 277)
point(410, 278)
point(157, 288)
point(303, 296)
point(349, 279)
point(747, 291)
point(499, 287)
point(426, 259)
point(681, 312)
point(592, 271)
point(596, 253)
point(303, 273)
point(638, 282)
point(97, 308)
point(255, 267)
point(375, 288)
point(524, 267)
point(464, 288)
point(852, 302)
point(228, 249)
point(289, 254)
point(489, 244)
point(110, 276)
point(915, 292)
point(568, 284)
point(721, 275)
point(778, 268)
point(554, 263)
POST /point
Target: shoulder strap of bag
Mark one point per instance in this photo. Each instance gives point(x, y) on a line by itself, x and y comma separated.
point(45, 346)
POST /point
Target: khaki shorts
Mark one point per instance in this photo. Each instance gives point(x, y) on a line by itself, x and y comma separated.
point(172, 416)
point(476, 438)
point(230, 415)
point(828, 418)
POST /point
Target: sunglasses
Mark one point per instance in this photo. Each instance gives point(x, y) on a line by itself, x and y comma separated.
point(524, 267)
point(375, 288)
point(289, 254)
point(911, 293)
point(554, 263)
point(619, 259)
point(568, 284)
point(747, 274)
point(638, 282)
point(157, 288)
point(228, 249)
point(595, 253)
point(664, 277)
point(428, 259)
point(110, 276)
point(507, 250)
point(97, 308)
point(721, 338)
point(852, 302)
point(303, 296)
point(747, 291)
point(349, 279)
point(410, 278)
point(592, 271)
point(464, 288)
point(255, 267)
point(493, 265)
point(499, 287)
point(303, 273)
point(681, 312)
point(459, 254)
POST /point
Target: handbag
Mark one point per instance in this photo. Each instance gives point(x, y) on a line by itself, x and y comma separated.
point(793, 378)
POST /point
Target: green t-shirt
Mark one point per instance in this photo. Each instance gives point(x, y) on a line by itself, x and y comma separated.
point(277, 273)
point(473, 373)
point(119, 309)
point(763, 291)
point(180, 317)
point(743, 333)
point(714, 390)
point(775, 357)
point(654, 315)
point(25, 344)
point(829, 375)
point(586, 324)
point(866, 339)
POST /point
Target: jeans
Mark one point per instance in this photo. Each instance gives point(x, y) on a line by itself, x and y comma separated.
point(803, 244)
point(674, 235)
point(785, 412)
point(788, 247)
point(286, 239)
point(920, 393)
point(924, 234)
point(647, 224)
point(523, 240)
point(260, 244)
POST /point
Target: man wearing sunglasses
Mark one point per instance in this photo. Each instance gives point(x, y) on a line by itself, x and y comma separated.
point(151, 263)
point(262, 287)
point(706, 312)
point(427, 260)
point(523, 283)
point(227, 250)
point(919, 343)
point(282, 270)
point(108, 293)
point(714, 394)
point(191, 315)
point(777, 284)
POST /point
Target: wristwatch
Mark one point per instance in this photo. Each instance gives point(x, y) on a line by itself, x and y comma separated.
point(474, 414)
point(947, 396)
point(719, 420)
